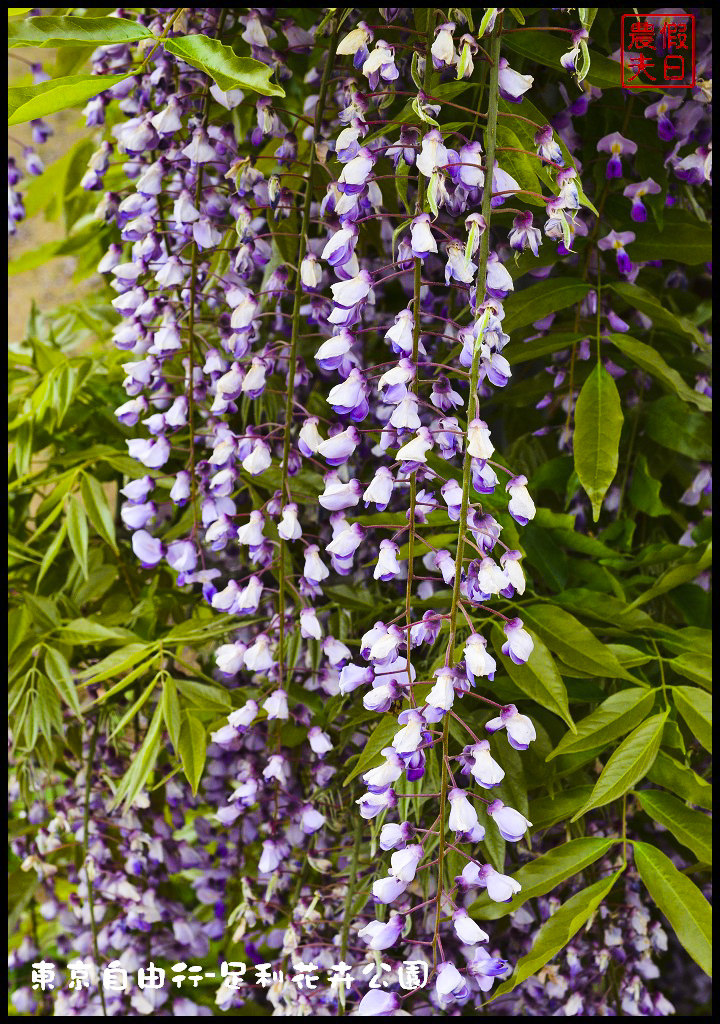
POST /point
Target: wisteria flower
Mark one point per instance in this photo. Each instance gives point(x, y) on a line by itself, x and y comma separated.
point(617, 240)
point(511, 824)
point(636, 193)
point(520, 730)
point(450, 984)
point(383, 934)
point(618, 146)
point(658, 111)
point(433, 153)
point(500, 888)
point(443, 47)
point(484, 768)
point(513, 85)
point(521, 506)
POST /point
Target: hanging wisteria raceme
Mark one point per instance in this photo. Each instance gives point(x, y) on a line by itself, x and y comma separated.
point(309, 278)
point(129, 856)
point(32, 163)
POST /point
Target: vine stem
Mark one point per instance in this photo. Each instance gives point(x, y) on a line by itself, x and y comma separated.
point(472, 408)
point(86, 843)
point(417, 285)
point(302, 248)
point(159, 40)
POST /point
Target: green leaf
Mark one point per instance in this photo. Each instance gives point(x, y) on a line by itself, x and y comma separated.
point(673, 737)
point(558, 930)
point(402, 179)
point(70, 31)
point(493, 845)
point(513, 788)
point(21, 888)
point(587, 16)
point(695, 706)
point(171, 712)
point(683, 239)
point(650, 360)
point(27, 102)
point(98, 510)
point(544, 874)
point(59, 674)
point(661, 316)
point(596, 441)
point(201, 695)
point(681, 780)
point(66, 380)
point(526, 131)
point(78, 532)
point(545, 555)
point(48, 709)
point(198, 628)
point(33, 259)
point(134, 708)
point(538, 678)
point(577, 647)
point(43, 610)
point(549, 810)
point(629, 656)
point(644, 491)
point(370, 755)
point(691, 828)
point(687, 571)
point(519, 165)
point(538, 300)
point(49, 556)
point(605, 608)
point(692, 639)
point(192, 747)
point(223, 65)
point(697, 667)
point(628, 764)
point(85, 631)
point(18, 624)
point(542, 346)
point(115, 663)
point(617, 715)
point(142, 765)
point(680, 900)
point(670, 423)
point(123, 684)
point(71, 59)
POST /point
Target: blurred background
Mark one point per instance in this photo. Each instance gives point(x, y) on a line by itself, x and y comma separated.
point(51, 284)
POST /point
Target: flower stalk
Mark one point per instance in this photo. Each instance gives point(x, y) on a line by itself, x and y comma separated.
point(417, 284)
point(295, 331)
point(491, 140)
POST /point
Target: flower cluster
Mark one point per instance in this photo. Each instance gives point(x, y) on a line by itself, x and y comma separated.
point(377, 362)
